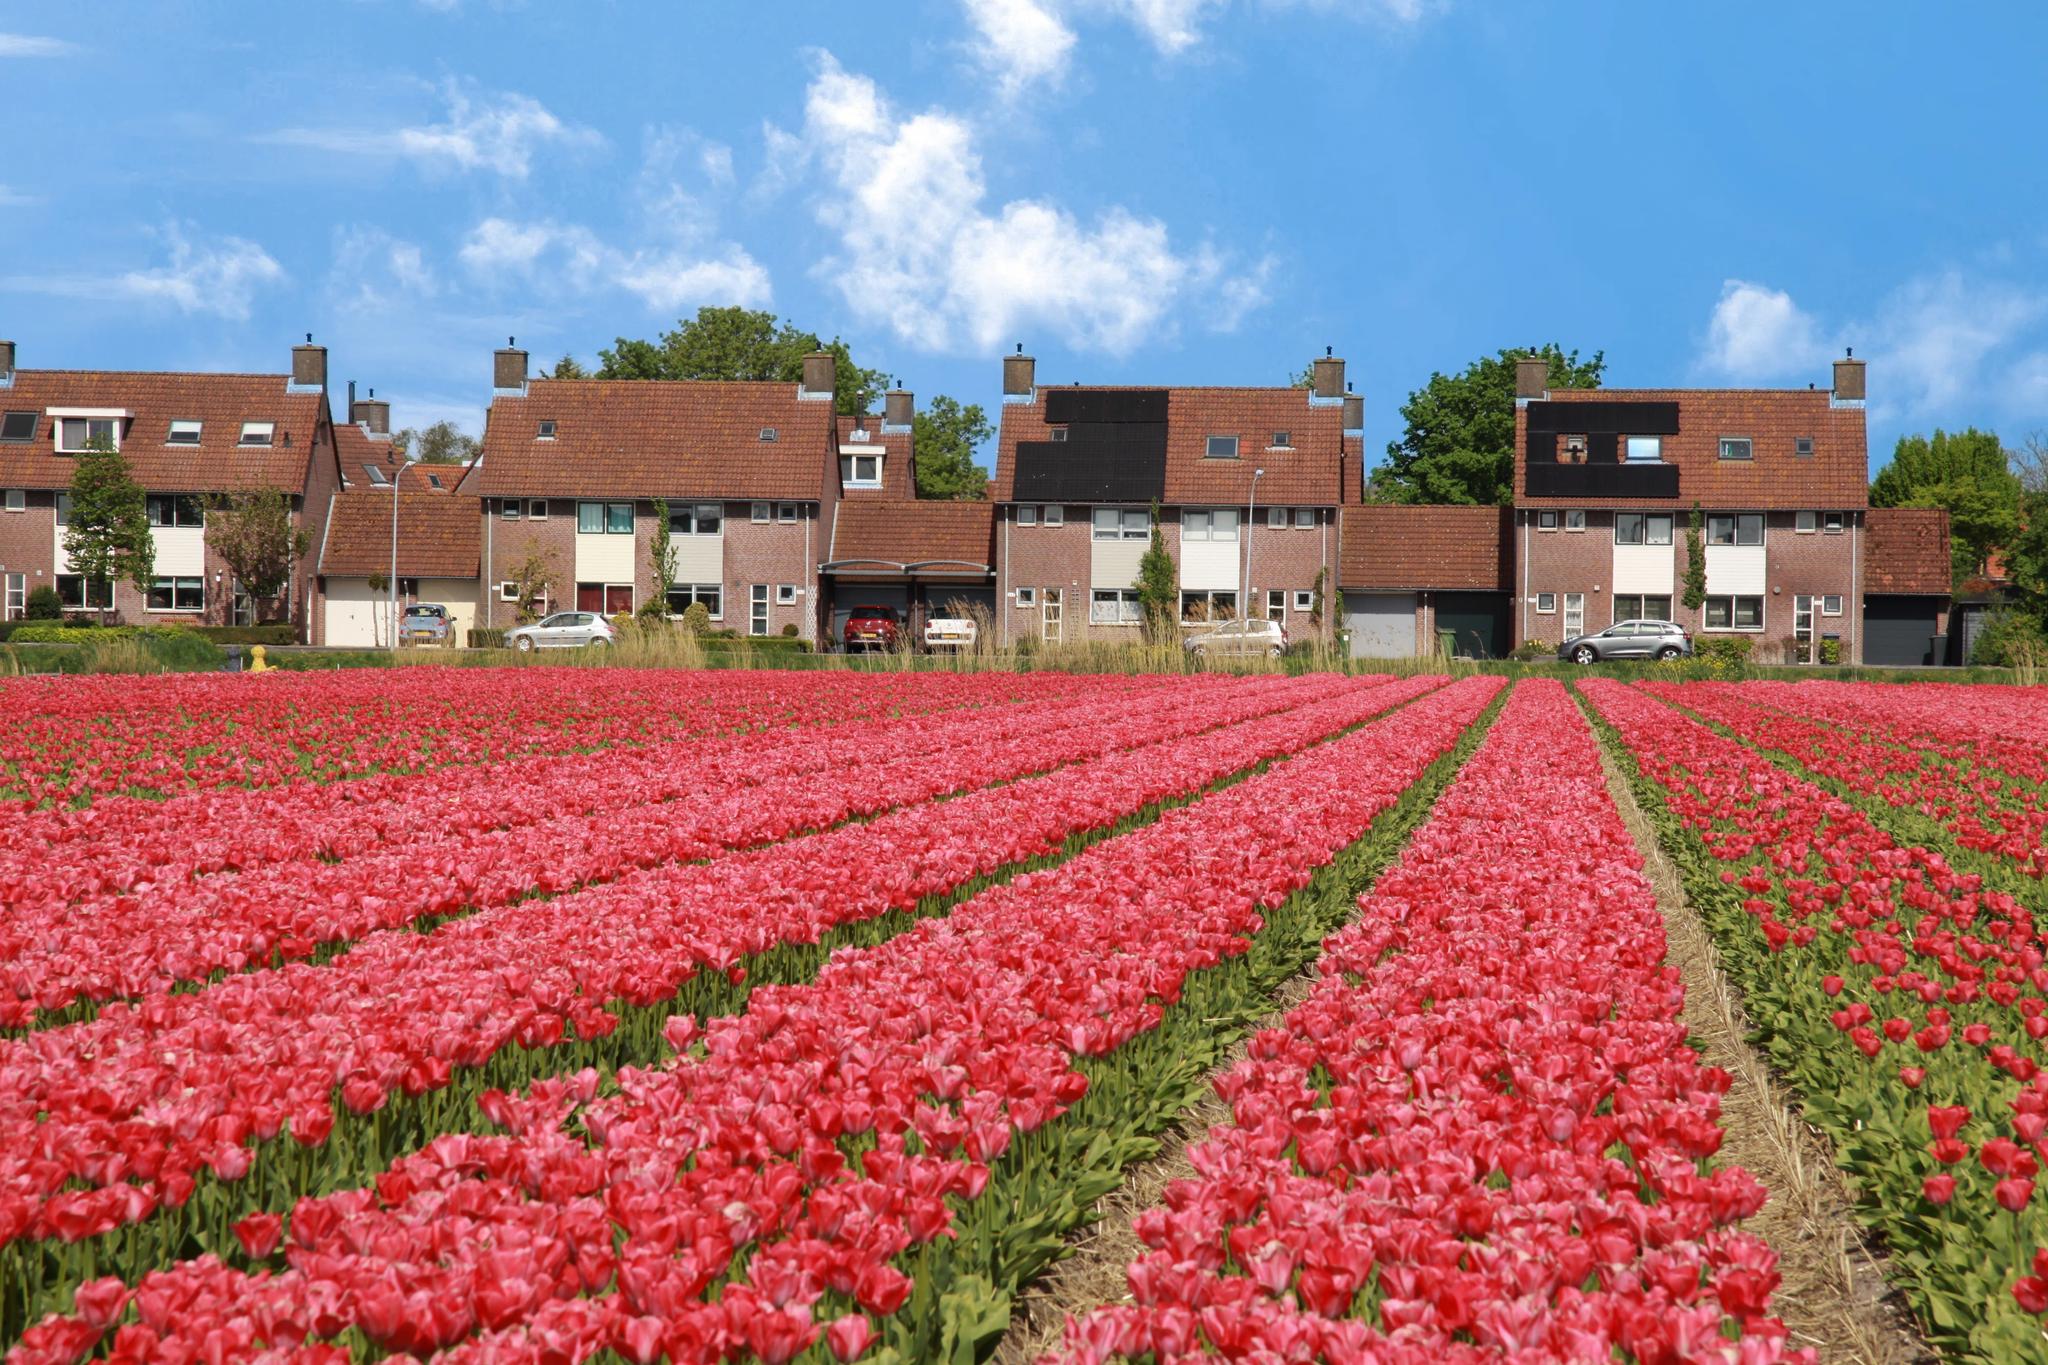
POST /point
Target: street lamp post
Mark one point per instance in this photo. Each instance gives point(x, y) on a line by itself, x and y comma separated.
point(1251, 515)
point(396, 481)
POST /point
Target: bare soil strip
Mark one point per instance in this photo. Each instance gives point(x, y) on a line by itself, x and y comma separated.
point(1834, 1296)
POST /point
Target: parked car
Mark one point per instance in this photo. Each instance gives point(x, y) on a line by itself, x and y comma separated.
point(564, 630)
point(1240, 639)
point(1629, 640)
point(873, 628)
point(426, 623)
point(950, 632)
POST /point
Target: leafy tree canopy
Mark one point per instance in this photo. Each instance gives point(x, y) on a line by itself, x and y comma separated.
point(441, 443)
point(1459, 445)
point(739, 343)
point(254, 536)
point(108, 537)
point(947, 433)
point(1967, 472)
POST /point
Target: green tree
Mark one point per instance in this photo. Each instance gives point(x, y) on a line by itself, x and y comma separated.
point(568, 367)
point(662, 556)
point(947, 432)
point(108, 537)
point(1694, 592)
point(1459, 445)
point(1158, 585)
point(253, 534)
point(532, 583)
point(441, 443)
point(739, 343)
point(1967, 472)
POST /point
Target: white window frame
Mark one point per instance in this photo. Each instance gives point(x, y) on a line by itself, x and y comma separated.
point(1836, 609)
point(1648, 518)
point(251, 431)
point(109, 421)
point(1546, 520)
point(536, 509)
point(183, 424)
point(1304, 601)
point(1805, 523)
point(757, 609)
point(694, 515)
point(17, 596)
point(785, 594)
point(17, 499)
point(1575, 519)
point(1282, 440)
point(1278, 518)
point(1198, 524)
point(1123, 529)
point(1189, 597)
point(763, 513)
point(1706, 611)
point(697, 592)
point(176, 581)
point(785, 514)
point(508, 591)
point(1304, 518)
point(1027, 597)
point(171, 503)
point(1125, 600)
point(1546, 604)
point(1832, 523)
point(1276, 605)
point(1643, 450)
point(1052, 514)
point(1743, 443)
point(1027, 514)
point(1735, 531)
point(849, 469)
point(1574, 610)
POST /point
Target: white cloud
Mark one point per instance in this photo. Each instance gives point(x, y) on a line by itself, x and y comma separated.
point(542, 252)
point(501, 133)
point(1020, 42)
point(374, 271)
point(1172, 26)
point(26, 45)
point(221, 276)
point(1934, 344)
point(924, 254)
point(1759, 333)
point(11, 198)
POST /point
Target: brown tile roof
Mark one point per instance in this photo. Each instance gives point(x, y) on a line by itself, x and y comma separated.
point(356, 448)
point(1835, 476)
point(220, 402)
point(1907, 550)
point(655, 438)
point(1441, 548)
point(896, 472)
point(1309, 472)
point(948, 535)
point(438, 534)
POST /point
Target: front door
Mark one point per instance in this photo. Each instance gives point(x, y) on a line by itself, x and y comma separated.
point(1049, 616)
point(17, 596)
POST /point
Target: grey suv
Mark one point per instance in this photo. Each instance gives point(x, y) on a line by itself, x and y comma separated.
point(1628, 640)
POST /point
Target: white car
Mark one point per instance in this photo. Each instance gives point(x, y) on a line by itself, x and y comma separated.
point(949, 632)
point(564, 630)
point(1240, 639)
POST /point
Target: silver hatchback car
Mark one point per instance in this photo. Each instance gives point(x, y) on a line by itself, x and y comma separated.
point(1628, 640)
point(563, 630)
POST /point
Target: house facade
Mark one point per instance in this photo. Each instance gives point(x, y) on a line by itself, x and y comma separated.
point(1247, 483)
point(571, 470)
point(1606, 481)
point(185, 438)
point(1415, 575)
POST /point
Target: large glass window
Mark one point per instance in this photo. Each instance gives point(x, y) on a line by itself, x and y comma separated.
point(1641, 606)
point(860, 471)
point(1114, 607)
point(1218, 523)
point(177, 594)
point(1645, 449)
point(712, 595)
point(618, 518)
point(75, 434)
point(589, 518)
point(72, 592)
point(175, 509)
point(1735, 613)
point(1735, 528)
point(1122, 523)
point(1208, 606)
point(1642, 528)
point(696, 519)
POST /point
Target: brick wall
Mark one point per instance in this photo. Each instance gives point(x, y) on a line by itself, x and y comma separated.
point(1288, 559)
point(28, 540)
point(322, 479)
point(1044, 557)
point(773, 553)
point(507, 543)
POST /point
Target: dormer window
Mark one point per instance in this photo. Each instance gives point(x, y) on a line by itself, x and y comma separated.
point(77, 434)
point(1221, 448)
point(860, 471)
point(1283, 440)
point(546, 431)
point(18, 428)
point(258, 433)
point(183, 433)
point(770, 434)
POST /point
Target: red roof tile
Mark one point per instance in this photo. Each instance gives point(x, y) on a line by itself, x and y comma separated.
point(438, 534)
point(1836, 475)
point(655, 439)
point(1308, 471)
point(949, 536)
point(1441, 548)
point(221, 403)
point(356, 449)
point(1908, 550)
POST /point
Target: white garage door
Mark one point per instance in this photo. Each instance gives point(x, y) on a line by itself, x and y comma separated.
point(1382, 625)
point(355, 615)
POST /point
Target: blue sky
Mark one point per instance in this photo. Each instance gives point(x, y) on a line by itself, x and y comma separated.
point(1171, 191)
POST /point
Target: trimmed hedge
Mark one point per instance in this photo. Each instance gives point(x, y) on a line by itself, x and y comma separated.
point(283, 634)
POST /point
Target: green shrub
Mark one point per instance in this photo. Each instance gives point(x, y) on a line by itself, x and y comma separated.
point(182, 650)
point(790, 630)
point(1730, 650)
point(481, 638)
point(1533, 649)
point(2009, 639)
point(1830, 651)
point(45, 605)
point(653, 613)
point(43, 633)
point(697, 619)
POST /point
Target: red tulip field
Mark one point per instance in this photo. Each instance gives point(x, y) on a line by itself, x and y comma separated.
point(536, 1015)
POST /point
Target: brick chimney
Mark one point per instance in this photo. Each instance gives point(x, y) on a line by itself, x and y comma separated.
point(373, 414)
point(1354, 412)
point(508, 366)
point(1532, 378)
point(309, 366)
point(1327, 374)
point(899, 410)
point(6, 363)
point(1849, 378)
point(821, 375)
point(1020, 375)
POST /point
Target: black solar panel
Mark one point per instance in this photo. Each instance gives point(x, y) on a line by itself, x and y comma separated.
point(1114, 449)
point(1630, 419)
point(1105, 405)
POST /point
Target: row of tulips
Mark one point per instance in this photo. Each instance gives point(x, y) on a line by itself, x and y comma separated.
point(122, 843)
point(1967, 786)
point(635, 809)
point(104, 1125)
point(74, 740)
point(813, 1159)
point(1903, 998)
point(1483, 1134)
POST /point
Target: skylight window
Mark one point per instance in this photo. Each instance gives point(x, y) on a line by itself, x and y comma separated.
point(258, 433)
point(1222, 448)
point(18, 427)
point(770, 434)
point(376, 475)
point(547, 430)
point(183, 433)
point(434, 479)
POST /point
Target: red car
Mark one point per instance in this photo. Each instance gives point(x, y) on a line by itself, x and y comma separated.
point(873, 628)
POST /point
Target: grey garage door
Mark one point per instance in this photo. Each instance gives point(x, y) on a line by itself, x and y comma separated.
point(1898, 630)
point(1382, 624)
point(847, 596)
point(1478, 619)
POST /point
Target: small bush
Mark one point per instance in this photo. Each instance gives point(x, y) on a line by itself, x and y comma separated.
point(2009, 639)
point(1830, 651)
point(696, 619)
point(45, 605)
point(1730, 650)
point(789, 630)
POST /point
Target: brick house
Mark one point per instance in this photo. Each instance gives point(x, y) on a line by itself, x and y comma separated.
point(1907, 608)
point(1248, 482)
point(1605, 481)
point(1410, 573)
point(571, 469)
point(438, 560)
point(185, 437)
